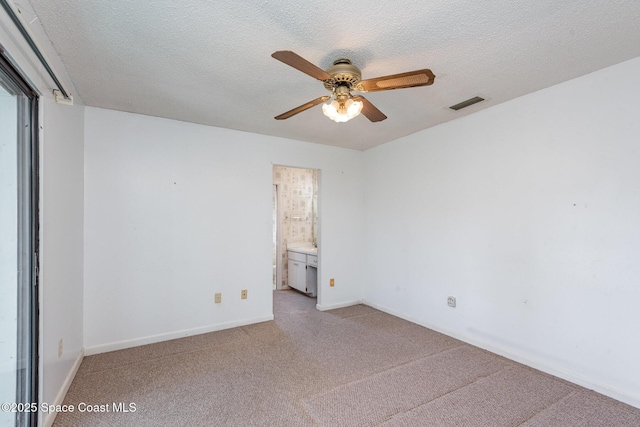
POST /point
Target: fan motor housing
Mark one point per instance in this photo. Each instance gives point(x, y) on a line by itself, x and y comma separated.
point(343, 73)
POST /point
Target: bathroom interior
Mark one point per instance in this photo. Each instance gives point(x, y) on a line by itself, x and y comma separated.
point(295, 229)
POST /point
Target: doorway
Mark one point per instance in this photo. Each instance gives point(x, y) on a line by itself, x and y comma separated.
point(295, 220)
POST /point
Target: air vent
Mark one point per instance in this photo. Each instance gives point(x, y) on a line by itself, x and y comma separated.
point(466, 103)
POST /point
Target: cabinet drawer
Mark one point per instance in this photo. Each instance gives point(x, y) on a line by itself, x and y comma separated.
point(296, 256)
point(312, 260)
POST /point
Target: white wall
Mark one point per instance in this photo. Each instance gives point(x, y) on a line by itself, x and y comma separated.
point(62, 242)
point(528, 213)
point(175, 212)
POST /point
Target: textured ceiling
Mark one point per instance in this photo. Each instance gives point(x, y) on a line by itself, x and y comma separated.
point(209, 61)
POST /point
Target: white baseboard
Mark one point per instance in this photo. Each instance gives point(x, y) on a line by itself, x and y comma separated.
point(51, 416)
point(120, 345)
point(533, 362)
point(337, 305)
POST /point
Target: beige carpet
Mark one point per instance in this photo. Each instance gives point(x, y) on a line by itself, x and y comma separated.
point(354, 366)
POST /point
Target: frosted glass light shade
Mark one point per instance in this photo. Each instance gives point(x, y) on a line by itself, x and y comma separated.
point(330, 109)
point(342, 111)
point(354, 108)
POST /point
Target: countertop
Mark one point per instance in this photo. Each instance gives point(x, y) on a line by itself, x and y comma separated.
point(303, 250)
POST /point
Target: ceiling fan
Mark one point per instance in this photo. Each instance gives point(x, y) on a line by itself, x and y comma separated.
point(341, 79)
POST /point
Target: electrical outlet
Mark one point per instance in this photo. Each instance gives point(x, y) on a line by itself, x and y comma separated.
point(243, 294)
point(218, 298)
point(332, 283)
point(451, 301)
point(60, 348)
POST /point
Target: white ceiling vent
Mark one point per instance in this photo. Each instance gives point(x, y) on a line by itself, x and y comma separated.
point(468, 102)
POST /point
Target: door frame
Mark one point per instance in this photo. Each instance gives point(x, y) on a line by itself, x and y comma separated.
point(318, 233)
point(28, 234)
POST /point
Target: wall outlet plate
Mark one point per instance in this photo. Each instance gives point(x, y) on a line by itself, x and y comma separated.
point(451, 301)
point(332, 282)
point(243, 294)
point(218, 298)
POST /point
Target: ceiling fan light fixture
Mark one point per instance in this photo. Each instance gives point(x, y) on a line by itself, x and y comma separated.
point(341, 108)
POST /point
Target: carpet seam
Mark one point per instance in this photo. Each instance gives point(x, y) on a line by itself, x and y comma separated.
point(571, 393)
point(380, 372)
point(400, 412)
point(447, 393)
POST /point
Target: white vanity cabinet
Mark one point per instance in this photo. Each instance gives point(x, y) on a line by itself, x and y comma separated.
point(303, 271)
point(297, 270)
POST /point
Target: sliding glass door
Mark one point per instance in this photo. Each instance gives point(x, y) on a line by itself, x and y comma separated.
point(18, 249)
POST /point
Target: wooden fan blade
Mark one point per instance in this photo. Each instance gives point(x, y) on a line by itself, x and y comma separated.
point(303, 107)
point(299, 63)
point(397, 81)
point(369, 110)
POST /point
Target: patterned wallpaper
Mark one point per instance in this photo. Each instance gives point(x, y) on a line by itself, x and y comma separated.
point(296, 217)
